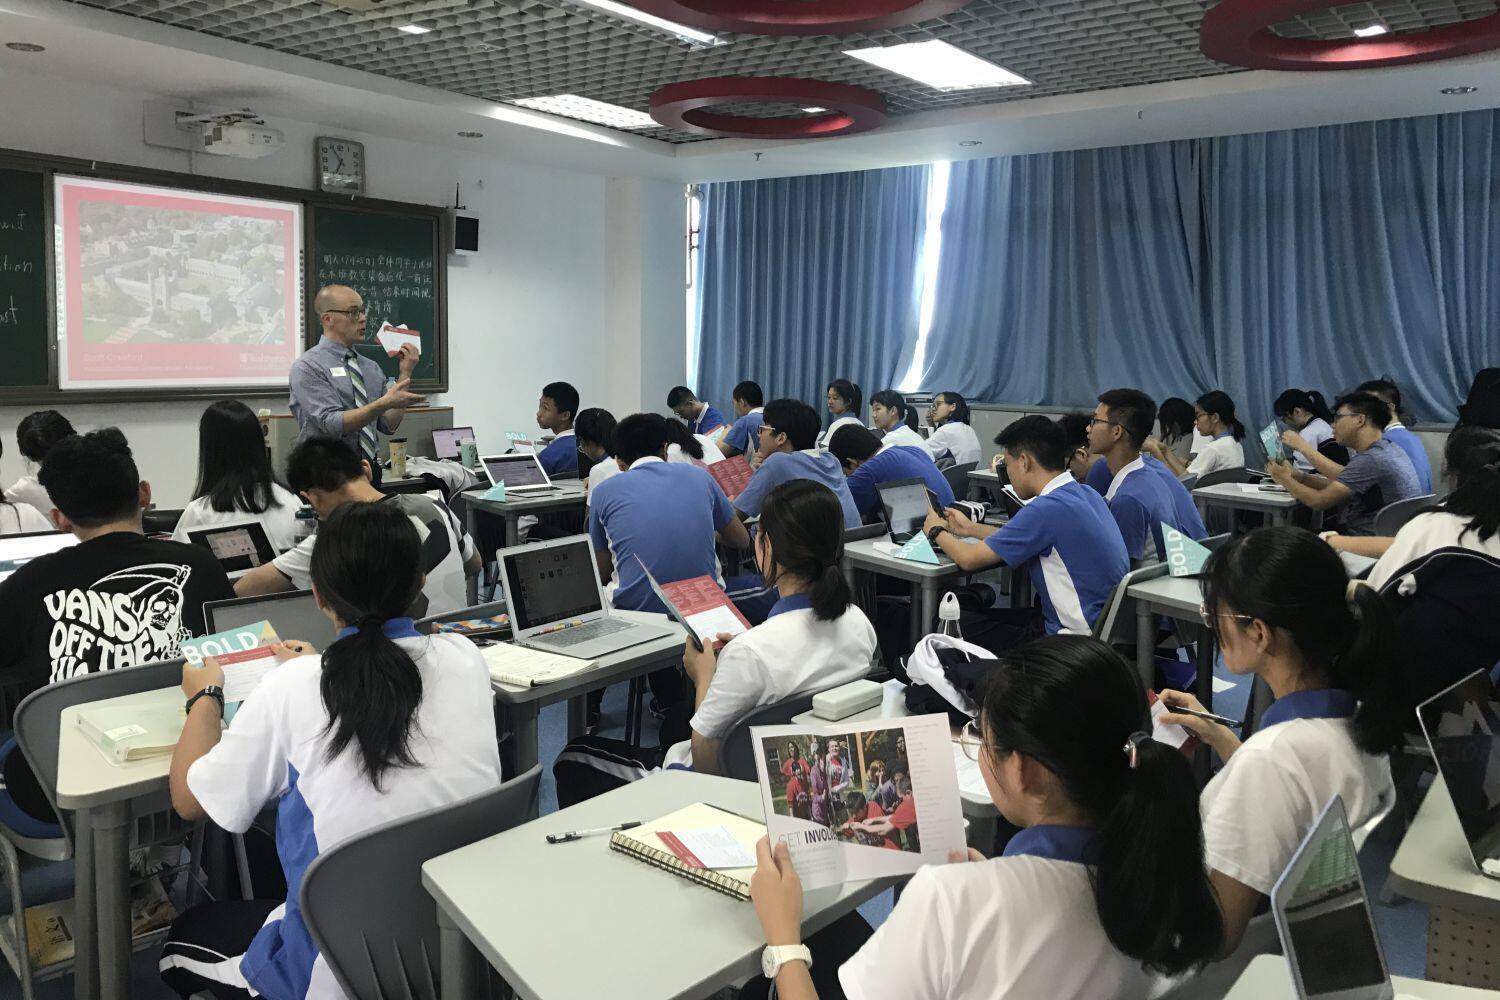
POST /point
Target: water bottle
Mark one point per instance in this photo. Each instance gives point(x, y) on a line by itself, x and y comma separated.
point(948, 615)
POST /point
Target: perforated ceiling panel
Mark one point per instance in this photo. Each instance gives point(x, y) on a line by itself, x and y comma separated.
point(506, 50)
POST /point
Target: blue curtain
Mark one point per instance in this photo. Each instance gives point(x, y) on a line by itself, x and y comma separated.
point(802, 280)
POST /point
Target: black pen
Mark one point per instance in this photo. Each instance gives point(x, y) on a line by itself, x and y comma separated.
point(571, 835)
point(1205, 716)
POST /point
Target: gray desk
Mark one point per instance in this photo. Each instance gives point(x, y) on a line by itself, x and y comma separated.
point(105, 798)
point(1433, 864)
point(570, 493)
point(926, 580)
point(1178, 598)
point(1268, 977)
point(567, 921)
point(633, 661)
point(1277, 507)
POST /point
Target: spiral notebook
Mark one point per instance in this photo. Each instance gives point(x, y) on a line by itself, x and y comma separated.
point(643, 844)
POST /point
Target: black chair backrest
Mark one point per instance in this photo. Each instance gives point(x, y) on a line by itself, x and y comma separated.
point(486, 610)
point(876, 530)
point(737, 754)
point(1225, 476)
point(958, 478)
point(364, 903)
point(159, 521)
point(1393, 516)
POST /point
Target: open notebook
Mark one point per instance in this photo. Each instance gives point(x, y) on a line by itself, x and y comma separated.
point(520, 666)
point(643, 844)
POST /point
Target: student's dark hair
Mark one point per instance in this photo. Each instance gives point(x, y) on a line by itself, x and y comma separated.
point(641, 435)
point(680, 394)
point(366, 568)
point(92, 478)
point(893, 400)
point(563, 396)
point(1386, 388)
point(1292, 580)
point(1175, 415)
point(1368, 405)
point(804, 524)
point(851, 442)
point(1133, 410)
point(1038, 437)
point(1472, 458)
point(749, 393)
point(1217, 403)
point(234, 465)
point(1310, 400)
point(322, 463)
point(678, 434)
point(39, 430)
point(960, 406)
point(1075, 428)
point(1072, 704)
point(796, 420)
point(596, 426)
point(848, 392)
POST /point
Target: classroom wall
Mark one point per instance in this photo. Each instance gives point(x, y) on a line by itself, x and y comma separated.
point(533, 306)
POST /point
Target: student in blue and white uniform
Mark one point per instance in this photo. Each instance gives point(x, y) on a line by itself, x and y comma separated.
point(894, 420)
point(1140, 498)
point(788, 450)
point(700, 417)
point(1281, 605)
point(1064, 538)
point(383, 725)
point(1396, 432)
point(868, 466)
point(1082, 903)
point(844, 403)
point(1213, 417)
point(595, 432)
point(951, 437)
point(1306, 412)
point(749, 410)
point(555, 412)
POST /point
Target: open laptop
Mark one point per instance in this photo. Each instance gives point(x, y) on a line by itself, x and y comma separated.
point(1323, 916)
point(293, 614)
point(238, 547)
point(905, 503)
point(556, 603)
point(18, 550)
point(1460, 725)
point(446, 441)
point(521, 472)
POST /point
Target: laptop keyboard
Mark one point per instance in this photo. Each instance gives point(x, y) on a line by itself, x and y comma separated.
point(583, 633)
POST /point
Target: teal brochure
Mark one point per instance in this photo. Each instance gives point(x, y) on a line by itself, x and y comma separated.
point(1270, 439)
point(918, 549)
point(496, 492)
point(1185, 557)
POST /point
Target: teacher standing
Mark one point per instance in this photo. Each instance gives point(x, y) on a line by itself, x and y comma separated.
point(337, 392)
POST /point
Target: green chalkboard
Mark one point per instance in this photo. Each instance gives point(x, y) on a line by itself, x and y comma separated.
point(24, 323)
point(393, 261)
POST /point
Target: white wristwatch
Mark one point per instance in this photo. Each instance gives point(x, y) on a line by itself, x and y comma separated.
point(777, 955)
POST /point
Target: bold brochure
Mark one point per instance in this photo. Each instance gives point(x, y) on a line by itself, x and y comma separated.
point(860, 801)
point(244, 653)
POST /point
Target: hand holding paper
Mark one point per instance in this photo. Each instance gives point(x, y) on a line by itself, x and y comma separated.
point(393, 338)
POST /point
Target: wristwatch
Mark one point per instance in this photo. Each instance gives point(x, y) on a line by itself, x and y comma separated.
point(934, 531)
point(777, 955)
point(212, 691)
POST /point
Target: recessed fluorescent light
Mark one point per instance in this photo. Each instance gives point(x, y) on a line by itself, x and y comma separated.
point(413, 29)
point(651, 20)
point(25, 47)
point(939, 65)
point(815, 111)
point(1370, 30)
point(469, 134)
point(589, 110)
point(1458, 91)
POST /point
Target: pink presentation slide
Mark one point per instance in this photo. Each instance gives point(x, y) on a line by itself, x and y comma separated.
point(165, 288)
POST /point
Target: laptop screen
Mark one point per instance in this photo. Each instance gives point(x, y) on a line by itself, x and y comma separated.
point(1460, 725)
point(238, 547)
point(1324, 916)
point(906, 505)
point(445, 440)
point(551, 583)
point(514, 470)
point(293, 616)
point(17, 550)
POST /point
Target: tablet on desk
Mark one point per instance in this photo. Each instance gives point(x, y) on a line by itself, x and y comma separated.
point(238, 547)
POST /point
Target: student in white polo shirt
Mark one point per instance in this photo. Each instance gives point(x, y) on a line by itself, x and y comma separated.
point(749, 409)
point(844, 403)
point(895, 420)
point(1281, 605)
point(384, 724)
point(951, 437)
point(814, 639)
point(1064, 538)
point(595, 430)
point(788, 450)
point(1102, 888)
point(1213, 417)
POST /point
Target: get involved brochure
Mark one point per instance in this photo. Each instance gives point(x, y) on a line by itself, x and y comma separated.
point(732, 475)
point(859, 801)
point(701, 605)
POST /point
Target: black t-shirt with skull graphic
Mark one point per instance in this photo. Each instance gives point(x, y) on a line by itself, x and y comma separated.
point(118, 600)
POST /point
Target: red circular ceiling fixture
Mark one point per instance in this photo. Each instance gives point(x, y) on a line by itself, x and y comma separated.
point(689, 106)
point(1238, 32)
point(797, 17)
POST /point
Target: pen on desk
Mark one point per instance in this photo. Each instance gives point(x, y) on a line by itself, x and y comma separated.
point(1205, 716)
point(571, 835)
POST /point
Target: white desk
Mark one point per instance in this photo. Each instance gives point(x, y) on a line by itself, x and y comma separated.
point(633, 661)
point(926, 579)
point(105, 797)
point(569, 921)
point(570, 493)
point(1433, 864)
point(1276, 506)
point(1268, 977)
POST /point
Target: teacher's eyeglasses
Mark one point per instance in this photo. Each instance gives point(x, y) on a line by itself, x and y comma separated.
point(353, 312)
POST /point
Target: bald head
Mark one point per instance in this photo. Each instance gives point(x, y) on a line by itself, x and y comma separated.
point(332, 306)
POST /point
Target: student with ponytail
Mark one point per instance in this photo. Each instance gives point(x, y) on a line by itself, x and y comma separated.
point(814, 639)
point(1305, 412)
point(384, 724)
point(1282, 608)
point(894, 418)
point(1102, 889)
point(1213, 417)
point(845, 400)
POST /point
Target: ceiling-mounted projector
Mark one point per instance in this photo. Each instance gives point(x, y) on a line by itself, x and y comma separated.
point(234, 133)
